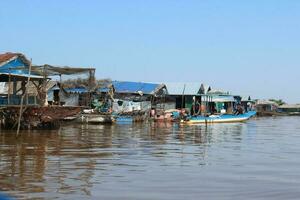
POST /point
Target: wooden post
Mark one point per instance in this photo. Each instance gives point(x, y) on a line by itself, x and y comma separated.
point(22, 99)
point(60, 86)
point(182, 98)
point(43, 89)
point(200, 105)
point(9, 88)
point(27, 101)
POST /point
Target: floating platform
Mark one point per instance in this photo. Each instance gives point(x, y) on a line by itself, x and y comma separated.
point(36, 117)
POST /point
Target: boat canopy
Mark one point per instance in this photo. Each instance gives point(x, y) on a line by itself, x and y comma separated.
point(223, 99)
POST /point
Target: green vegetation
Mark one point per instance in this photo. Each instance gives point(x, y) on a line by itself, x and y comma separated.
point(278, 101)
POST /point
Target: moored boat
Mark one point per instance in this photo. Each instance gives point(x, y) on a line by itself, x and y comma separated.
point(223, 118)
point(96, 118)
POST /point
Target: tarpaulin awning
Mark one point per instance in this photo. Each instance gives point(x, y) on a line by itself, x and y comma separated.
point(50, 70)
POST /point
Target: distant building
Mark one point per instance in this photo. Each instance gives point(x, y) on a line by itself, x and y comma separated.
point(290, 109)
point(137, 91)
point(180, 95)
point(266, 107)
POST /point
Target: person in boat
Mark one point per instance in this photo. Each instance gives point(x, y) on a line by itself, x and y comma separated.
point(239, 110)
point(213, 109)
point(249, 106)
point(195, 109)
point(183, 114)
point(223, 110)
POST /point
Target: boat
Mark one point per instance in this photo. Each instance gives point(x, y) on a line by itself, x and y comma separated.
point(96, 118)
point(130, 117)
point(222, 118)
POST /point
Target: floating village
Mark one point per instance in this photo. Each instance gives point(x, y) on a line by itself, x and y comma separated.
point(44, 96)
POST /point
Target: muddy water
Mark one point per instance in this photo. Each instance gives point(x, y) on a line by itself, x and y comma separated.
point(254, 160)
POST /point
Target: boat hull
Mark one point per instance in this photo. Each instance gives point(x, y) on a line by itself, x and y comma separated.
point(220, 118)
point(96, 118)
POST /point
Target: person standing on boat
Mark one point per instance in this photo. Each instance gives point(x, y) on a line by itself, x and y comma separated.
point(195, 110)
point(239, 110)
point(249, 106)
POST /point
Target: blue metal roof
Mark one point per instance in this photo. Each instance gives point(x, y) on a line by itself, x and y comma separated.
point(135, 87)
point(17, 67)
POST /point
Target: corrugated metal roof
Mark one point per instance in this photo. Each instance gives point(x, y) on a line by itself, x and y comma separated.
point(16, 64)
point(290, 106)
point(135, 87)
point(188, 88)
point(7, 57)
point(246, 98)
point(216, 92)
point(223, 99)
point(265, 102)
point(32, 76)
point(204, 89)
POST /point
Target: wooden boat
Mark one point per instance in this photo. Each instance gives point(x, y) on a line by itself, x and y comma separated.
point(225, 118)
point(96, 118)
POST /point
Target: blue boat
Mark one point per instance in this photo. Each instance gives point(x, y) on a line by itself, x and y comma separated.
point(124, 120)
point(223, 118)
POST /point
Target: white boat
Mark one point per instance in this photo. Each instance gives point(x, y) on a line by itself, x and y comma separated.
point(224, 118)
point(96, 118)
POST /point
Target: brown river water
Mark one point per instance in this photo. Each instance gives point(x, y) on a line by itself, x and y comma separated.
point(258, 159)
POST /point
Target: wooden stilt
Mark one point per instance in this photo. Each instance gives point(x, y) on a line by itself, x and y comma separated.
point(9, 88)
point(22, 99)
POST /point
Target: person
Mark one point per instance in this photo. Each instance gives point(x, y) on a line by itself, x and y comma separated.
point(183, 114)
point(223, 111)
point(249, 106)
point(213, 109)
point(195, 110)
point(23, 87)
point(239, 110)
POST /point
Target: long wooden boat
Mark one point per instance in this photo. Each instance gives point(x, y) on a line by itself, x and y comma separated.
point(96, 118)
point(225, 118)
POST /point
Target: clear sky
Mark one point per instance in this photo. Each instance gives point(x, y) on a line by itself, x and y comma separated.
point(247, 47)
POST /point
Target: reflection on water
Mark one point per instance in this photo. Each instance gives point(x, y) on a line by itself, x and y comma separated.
point(253, 160)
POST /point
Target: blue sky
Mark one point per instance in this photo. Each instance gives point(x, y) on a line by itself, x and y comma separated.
point(247, 47)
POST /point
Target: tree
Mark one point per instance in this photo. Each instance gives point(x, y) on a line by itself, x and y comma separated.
point(278, 101)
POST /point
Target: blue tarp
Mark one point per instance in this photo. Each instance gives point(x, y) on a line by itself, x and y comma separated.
point(134, 87)
point(122, 87)
point(70, 90)
point(4, 197)
point(76, 90)
point(103, 89)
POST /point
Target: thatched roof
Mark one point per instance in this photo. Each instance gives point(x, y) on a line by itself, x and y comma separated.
point(84, 83)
